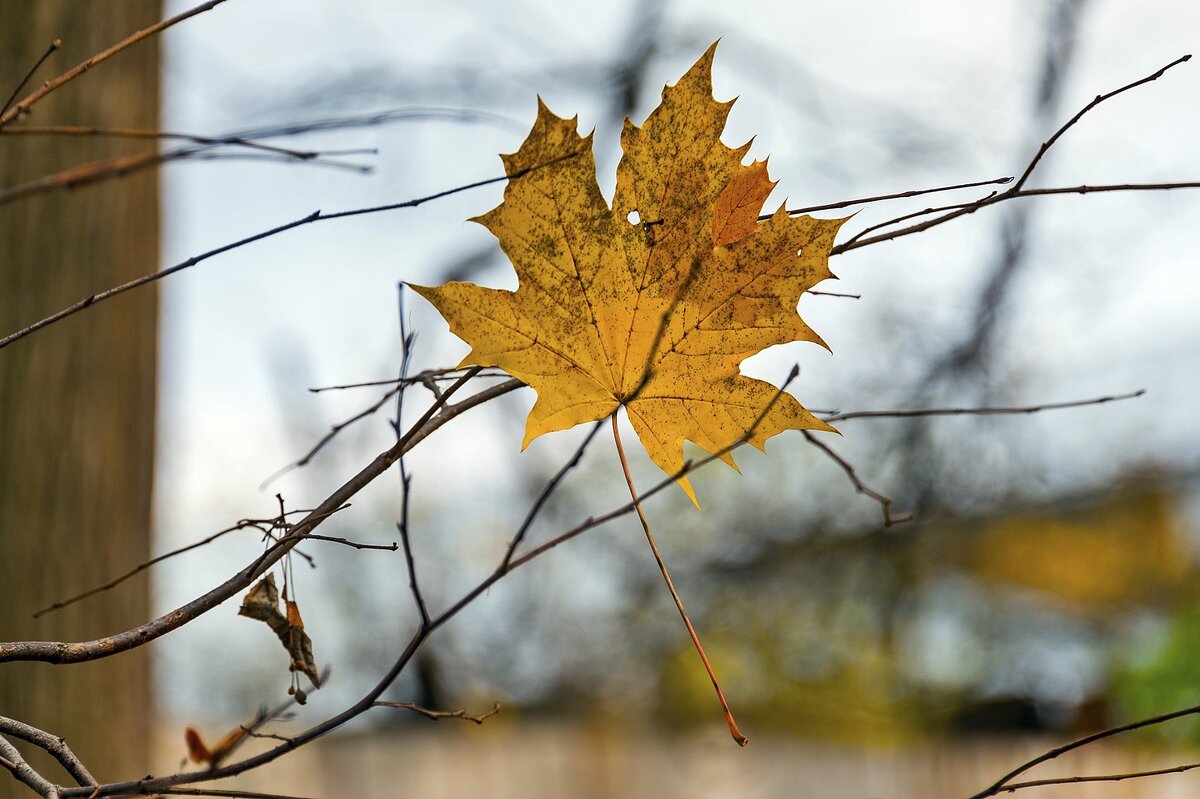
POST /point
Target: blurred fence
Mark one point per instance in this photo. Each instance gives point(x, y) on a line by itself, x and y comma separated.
point(502, 760)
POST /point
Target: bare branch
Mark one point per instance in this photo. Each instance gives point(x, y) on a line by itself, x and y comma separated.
point(56, 746)
point(1018, 188)
point(329, 436)
point(896, 196)
point(406, 346)
point(392, 547)
point(551, 486)
point(1070, 123)
point(1132, 775)
point(166, 135)
point(95, 171)
point(257, 524)
point(913, 215)
point(419, 377)
point(54, 45)
point(834, 294)
point(51, 85)
point(885, 502)
point(11, 759)
point(1001, 785)
point(437, 715)
point(316, 216)
point(986, 411)
point(224, 793)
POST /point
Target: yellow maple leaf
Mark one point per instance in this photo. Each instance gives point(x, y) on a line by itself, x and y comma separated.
point(654, 302)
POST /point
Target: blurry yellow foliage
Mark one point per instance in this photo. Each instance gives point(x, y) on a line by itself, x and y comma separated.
point(1128, 549)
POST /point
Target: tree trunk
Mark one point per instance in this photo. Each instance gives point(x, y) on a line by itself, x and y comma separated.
point(77, 399)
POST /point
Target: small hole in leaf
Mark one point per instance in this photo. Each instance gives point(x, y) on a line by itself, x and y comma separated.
point(634, 217)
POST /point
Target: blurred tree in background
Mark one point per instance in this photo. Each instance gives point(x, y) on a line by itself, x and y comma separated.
point(77, 404)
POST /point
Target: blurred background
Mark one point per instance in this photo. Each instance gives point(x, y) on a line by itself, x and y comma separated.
point(1046, 584)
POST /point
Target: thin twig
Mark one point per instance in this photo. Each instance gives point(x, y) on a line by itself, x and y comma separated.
point(256, 524)
point(853, 242)
point(10, 758)
point(741, 739)
point(834, 294)
point(550, 488)
point(96, 171)
point(407, 340)
point(212, 154)
point(970, 208)
point(83, 174)
point(1132, 775)
point(419, 377)
point(392, 547)
point(224, 793)
point(314, 217)
point(56, 746)
point(913, 215)
point(166, 135)
point(885, 502)
point(1018, 187)
point(54, 45)
point(984, 411)
point(415, 114)
point(51, 85)
point(895, 196)
point(437, 715)
point(1070, 123)
point(1086, 189)
point(329, 436)
point(1001, 784)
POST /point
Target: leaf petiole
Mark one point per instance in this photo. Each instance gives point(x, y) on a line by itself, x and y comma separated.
point(742, 740)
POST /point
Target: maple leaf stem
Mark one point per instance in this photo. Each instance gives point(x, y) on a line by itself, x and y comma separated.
point(741, 739)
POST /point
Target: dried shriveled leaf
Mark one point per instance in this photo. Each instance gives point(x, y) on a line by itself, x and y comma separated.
point(657, 314)
point(198, 751)
point(262, 602)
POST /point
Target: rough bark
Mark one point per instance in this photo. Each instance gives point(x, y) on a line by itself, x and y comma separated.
point(77, 400)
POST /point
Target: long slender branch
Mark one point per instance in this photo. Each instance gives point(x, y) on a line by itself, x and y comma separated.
point(56, 746)
point(885, 502)
point(1131, 775)
point(95, 171)
point(314, 217)
point(407, 341)
point(257, 524)
point(10, 758)
point(937, 209)
point(1018, 187)
point(57, 83)
point(984, 411)
point(438, 715)
point(961, 209)
point(330, 435)
point(551, 486)
point(224, 793)
point(1070, 123)
point(167, 135)
point(60, 652)
point(895, 196)
point(54, 45)
point(1001, 785)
